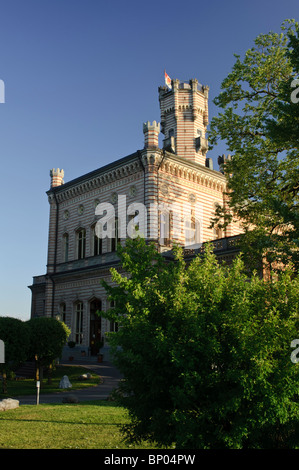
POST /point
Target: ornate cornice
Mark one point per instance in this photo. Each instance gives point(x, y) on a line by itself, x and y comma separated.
point(178, 167)
point(96, 179)
point(150, 160)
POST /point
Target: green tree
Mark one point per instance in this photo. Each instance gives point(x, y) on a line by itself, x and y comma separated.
point(14, 334)
point(257, 123)
point(47, 338)
point(204, 351)
point(284, 124)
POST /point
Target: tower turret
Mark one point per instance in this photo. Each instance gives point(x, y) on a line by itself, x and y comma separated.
point(184, 119)
point(56, 177)
point(151, 134)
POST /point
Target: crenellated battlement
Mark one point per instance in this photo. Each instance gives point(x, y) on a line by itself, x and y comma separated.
point(151, 134)
point(184, 119)
point(57, 176)
point(192, 84)
point(222, 159)
point(151, 126)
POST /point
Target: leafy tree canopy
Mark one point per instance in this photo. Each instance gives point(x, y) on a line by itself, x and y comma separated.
point(204, 351)
point(15, 335)
point(260, 124)
point(47, 338)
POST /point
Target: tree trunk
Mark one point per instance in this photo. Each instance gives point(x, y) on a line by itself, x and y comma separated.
point(4, 382)
point(50, 371)
point(37, 369)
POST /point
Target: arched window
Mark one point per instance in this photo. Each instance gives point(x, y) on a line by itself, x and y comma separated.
point(79, 323)
point(81, 243)
point(192, 232)
point(97, 242)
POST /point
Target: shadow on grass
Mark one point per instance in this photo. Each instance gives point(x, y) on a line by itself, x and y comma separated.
point(77, 423)
point(44, 408)
point(27, 386)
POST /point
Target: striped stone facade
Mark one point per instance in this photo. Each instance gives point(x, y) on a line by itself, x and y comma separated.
point(184, 117)
point(152, 179)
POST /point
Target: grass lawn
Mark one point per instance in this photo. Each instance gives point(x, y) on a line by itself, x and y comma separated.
point(28, 386)
point(88, 425)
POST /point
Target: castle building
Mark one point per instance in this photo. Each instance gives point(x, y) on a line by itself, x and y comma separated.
point(165, 194)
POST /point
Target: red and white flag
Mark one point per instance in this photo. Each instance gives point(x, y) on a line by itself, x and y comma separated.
point(167, 80)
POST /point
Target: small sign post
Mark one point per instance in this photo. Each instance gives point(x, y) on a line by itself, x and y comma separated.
point(37, 390)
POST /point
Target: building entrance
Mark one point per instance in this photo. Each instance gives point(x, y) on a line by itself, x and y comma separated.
point(95, 326)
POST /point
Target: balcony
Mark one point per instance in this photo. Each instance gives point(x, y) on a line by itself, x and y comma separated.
point(223, 245)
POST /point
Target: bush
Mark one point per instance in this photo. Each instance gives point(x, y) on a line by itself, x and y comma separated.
point(204, 351)
point(15, 335)
point(47, 338)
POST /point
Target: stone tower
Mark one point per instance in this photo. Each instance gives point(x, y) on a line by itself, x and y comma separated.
point(57, 176)
point(184, 119)
point(151, 135)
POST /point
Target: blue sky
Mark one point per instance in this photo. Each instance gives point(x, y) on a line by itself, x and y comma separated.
point(80, 78)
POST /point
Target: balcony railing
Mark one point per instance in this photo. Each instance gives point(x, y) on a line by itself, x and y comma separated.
point(221, 244)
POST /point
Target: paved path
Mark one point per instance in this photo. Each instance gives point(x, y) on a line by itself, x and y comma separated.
point(106, 370)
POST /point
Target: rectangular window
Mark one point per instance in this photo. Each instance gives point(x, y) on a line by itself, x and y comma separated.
point(192, 231)
point(115, 235)
point(133, 225)
point(97, 244)
point(65, 247)
point(113, 326)
point(63, 312)
point(79, 323)
point(165, 228)
point(81, 244)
